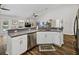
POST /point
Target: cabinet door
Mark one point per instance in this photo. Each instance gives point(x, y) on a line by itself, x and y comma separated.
point(56, 38)
point(41, 37)
point(15, 46)
point(49, 38)
point(44, 38)
point(23, 43)
point(19, 45)
point(61, 38)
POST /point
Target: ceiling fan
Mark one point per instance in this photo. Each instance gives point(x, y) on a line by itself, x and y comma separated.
point(2, 8)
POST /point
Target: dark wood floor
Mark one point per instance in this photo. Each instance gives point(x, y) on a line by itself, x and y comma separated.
point(66, 49)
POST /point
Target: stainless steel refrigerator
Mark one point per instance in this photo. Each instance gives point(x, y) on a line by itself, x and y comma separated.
point(76, 32)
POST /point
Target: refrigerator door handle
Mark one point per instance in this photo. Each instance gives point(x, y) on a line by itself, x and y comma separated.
point(75, 26)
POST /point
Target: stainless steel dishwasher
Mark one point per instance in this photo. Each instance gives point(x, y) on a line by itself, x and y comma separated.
point(31, 40)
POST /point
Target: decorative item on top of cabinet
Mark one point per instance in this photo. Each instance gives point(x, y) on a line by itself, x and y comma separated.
point(33, 23)
point(56, 23)
point(14, 23)
point(21, 23)
point(28, 22)
point(53, 22)
point(48, 25)
point(5, 24)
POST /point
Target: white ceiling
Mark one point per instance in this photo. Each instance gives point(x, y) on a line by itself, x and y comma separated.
point(26, 10)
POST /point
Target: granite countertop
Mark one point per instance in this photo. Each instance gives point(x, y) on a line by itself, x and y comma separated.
point(18, 32)
point(25, 31)
point(25, 28)
point(50, 30)
point(21, 33)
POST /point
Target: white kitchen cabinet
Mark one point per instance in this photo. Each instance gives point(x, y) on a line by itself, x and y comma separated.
point(18, 45)
point(50, 38)
point(23, 43)
point(57, 38)
point(43, 38)
point(15, 46)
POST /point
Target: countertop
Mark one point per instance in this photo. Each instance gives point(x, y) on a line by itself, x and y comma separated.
point(25, 31)
point(50, 30)
point(18, 32)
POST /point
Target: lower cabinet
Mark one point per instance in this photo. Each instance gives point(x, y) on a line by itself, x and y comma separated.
point(18, 45)
point(44, 37)
point(57, 38)
point(23, 44)
point(50, 38)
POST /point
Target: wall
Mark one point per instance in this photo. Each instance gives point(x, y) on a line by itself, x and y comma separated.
point(65, 12)
point(8, 18)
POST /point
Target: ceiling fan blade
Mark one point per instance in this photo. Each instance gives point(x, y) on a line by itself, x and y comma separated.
point(4, 9)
